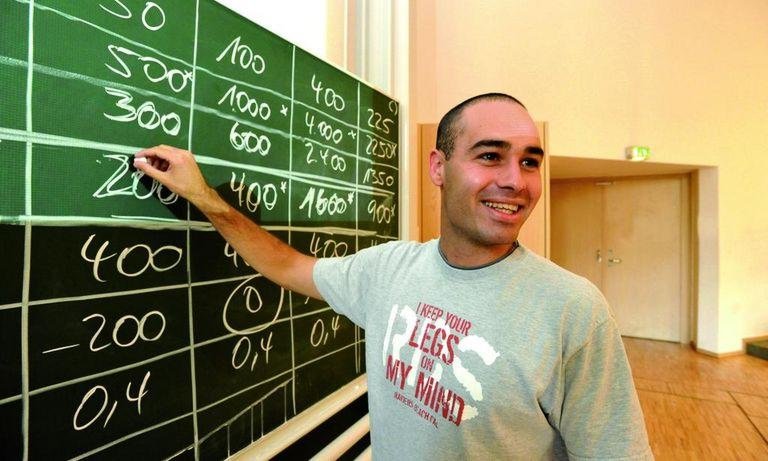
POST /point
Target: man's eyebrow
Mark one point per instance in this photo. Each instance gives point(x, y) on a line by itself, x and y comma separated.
point(535, 150)
point(498, 143)
point(501, 144)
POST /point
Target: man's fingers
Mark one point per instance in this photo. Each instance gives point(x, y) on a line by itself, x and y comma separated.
point(151, 166)
point(163, 152)
point(158, 157)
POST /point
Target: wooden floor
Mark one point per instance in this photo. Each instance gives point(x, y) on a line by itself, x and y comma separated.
point(699, 407)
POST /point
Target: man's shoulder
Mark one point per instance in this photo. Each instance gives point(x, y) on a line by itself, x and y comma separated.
point(397, 248)
point(556, 278)
point(573, 299)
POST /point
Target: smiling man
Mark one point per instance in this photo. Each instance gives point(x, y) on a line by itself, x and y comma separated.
point(475, 347)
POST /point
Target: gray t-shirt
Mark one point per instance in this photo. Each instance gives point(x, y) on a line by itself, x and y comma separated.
point(517, 360)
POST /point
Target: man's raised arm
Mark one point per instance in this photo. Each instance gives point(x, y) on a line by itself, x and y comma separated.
point(177, 170)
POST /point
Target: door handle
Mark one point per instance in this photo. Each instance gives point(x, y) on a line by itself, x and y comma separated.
point(599, 257)
point(611, 259)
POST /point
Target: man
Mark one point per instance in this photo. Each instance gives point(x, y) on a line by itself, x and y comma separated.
point(475, 347)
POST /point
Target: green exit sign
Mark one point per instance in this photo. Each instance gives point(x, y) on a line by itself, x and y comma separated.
point(638, 153)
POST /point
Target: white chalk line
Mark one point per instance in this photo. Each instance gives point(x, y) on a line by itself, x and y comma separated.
point(108, 295)
point(311, 179)
point(322, 112)
point(62, 348)
point(290, 216)
point(10, 306)
point(24, 330)
point(67, 75)
point(111, 371)
point(357, 215)
point(203, 226)
point(11, 399)
point(190, 310)
point(12, 134)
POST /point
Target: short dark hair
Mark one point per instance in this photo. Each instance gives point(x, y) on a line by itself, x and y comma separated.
point(448, 129)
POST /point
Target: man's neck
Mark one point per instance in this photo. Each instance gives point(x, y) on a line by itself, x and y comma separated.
point(473, 257)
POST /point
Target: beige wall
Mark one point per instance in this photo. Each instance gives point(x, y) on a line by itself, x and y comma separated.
point(687, 78)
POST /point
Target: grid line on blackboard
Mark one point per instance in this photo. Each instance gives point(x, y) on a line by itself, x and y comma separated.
point(290, 220)
point(12, 398)
point(10, 306)
point(111, 294)
point(27, 243)
point(357, 211)
point(190, 314)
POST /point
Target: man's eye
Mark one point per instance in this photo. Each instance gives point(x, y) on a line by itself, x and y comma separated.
point(489, 156)
point(531, 163)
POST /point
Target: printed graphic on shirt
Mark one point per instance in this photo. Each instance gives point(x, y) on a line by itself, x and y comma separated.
point(422, 358)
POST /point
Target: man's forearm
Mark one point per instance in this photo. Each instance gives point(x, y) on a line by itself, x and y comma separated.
point(176, 169)
point(263, 251)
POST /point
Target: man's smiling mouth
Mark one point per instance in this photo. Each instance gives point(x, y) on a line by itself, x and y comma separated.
point(507, 208)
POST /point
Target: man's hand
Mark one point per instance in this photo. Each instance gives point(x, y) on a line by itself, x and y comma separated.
point(177, 170)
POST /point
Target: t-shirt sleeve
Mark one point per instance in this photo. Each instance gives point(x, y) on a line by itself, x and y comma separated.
point(344, 282)
point(601, 416)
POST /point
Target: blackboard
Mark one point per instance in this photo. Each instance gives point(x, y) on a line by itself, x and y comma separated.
point(129, 329)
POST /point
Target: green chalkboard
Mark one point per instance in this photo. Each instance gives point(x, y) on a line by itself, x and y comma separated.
point(129, 328)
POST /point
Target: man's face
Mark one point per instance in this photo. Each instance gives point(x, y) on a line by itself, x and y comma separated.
point(491, 181)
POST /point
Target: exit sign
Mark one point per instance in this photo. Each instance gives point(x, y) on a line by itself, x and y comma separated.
point(638, 153)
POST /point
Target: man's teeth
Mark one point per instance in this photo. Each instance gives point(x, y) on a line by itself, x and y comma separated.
point(503, 207)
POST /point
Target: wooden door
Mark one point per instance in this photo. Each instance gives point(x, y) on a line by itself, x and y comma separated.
point(643, 271)
point(577, 228)
point(640, 228)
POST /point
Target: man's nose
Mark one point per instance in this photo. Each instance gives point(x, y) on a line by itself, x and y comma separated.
point(511, 177)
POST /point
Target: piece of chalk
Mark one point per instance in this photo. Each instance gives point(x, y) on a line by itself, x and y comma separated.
point(141, 159)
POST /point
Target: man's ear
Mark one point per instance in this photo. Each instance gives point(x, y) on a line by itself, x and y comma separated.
point(436, 166)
